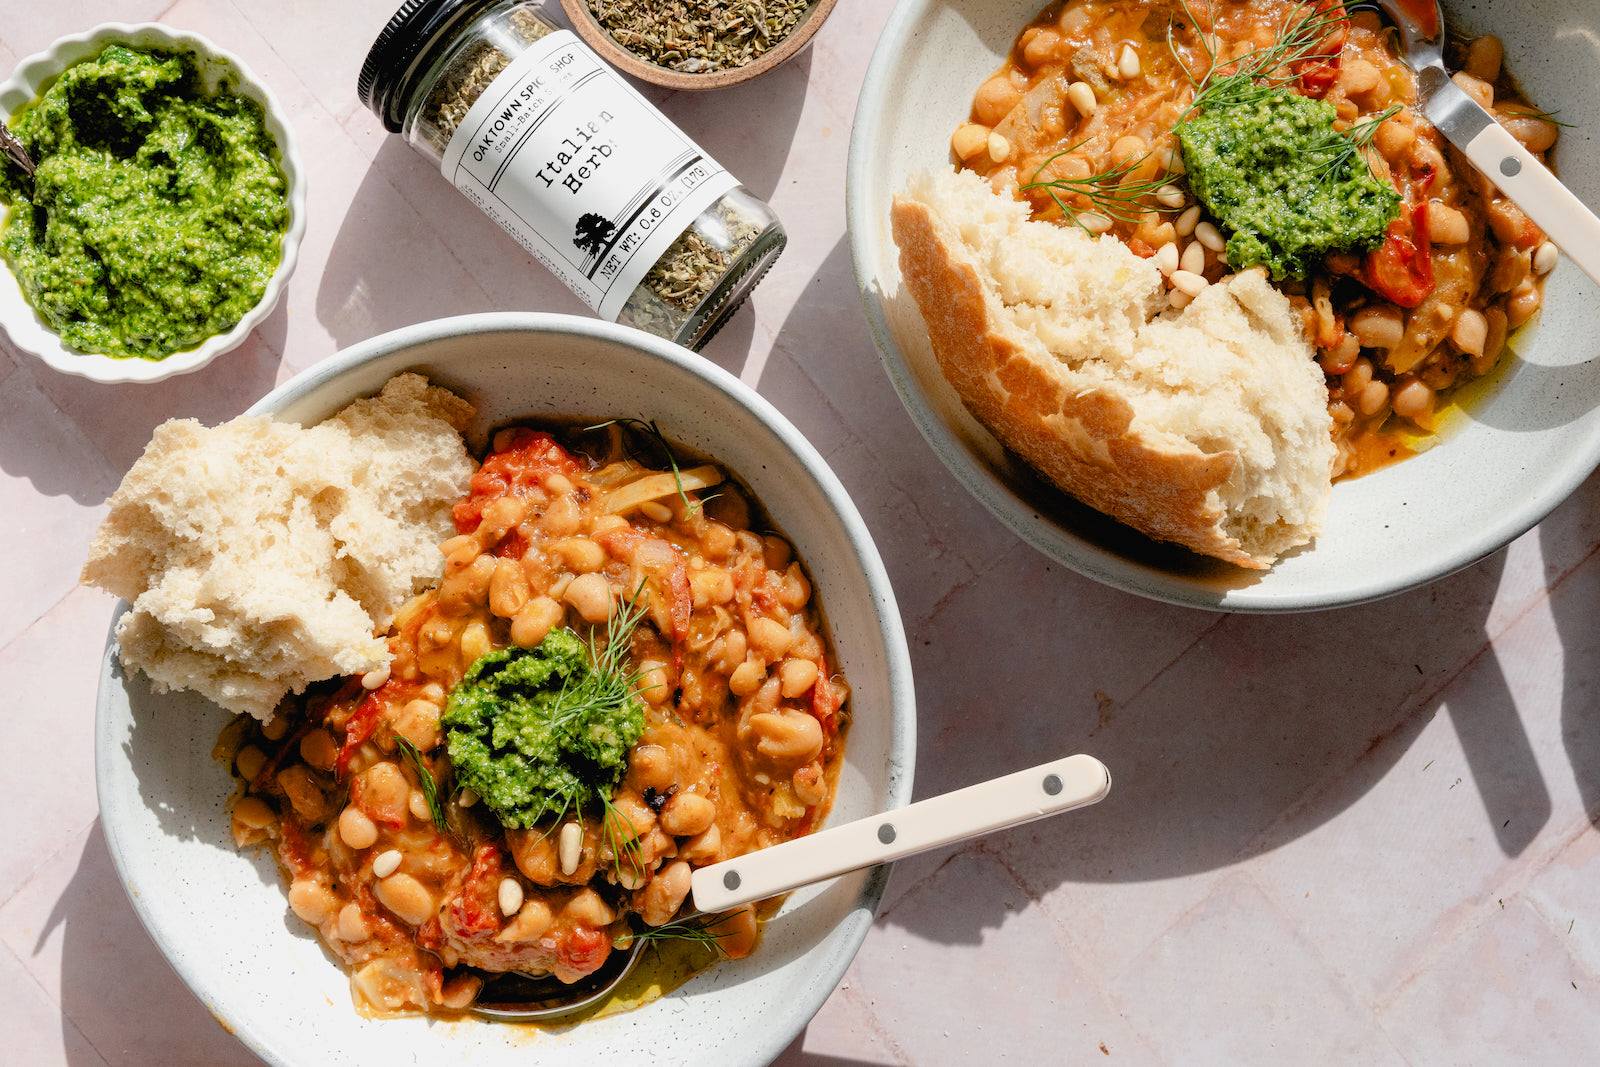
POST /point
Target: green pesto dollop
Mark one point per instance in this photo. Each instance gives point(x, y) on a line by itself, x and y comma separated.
point(157, 212)
point(1287, 187)
point(540, 731)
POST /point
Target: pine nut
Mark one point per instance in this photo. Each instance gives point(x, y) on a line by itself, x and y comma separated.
point(1094, 222)
point(1179, 299)
point(1546, 258)
point(386, 863)
point(1194, 258)
point(1170, 196)
point(568, 849)
point(510, 896)
point(375, 679)
point(417, 804)
point(999, 148)
point(655, 511)
point(1188, 282)
point(1210, 236)
point(1188, 221)
point(1081, 95)
point(1167, 258)
point(466, 798)
point(1128, 62)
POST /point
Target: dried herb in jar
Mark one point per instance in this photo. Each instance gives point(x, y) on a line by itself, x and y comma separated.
point(469, 75)
point(689, 269)
point(640, 222)
point(699, 36)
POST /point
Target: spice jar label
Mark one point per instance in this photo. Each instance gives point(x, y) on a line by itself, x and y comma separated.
point(580, 169)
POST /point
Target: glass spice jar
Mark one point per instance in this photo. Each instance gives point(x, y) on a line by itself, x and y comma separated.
point(586, 174)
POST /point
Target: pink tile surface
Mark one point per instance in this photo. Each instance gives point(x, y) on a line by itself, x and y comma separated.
point(1356, 836)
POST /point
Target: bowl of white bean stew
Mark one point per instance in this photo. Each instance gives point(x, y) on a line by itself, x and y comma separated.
point(329, 882)
point(1458, 347)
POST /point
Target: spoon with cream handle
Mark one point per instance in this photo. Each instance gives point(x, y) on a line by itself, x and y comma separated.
point(1012, 800)
point(1491, 148)
point(1048, 789)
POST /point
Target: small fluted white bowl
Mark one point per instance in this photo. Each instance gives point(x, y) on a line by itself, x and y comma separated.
point(27, 330)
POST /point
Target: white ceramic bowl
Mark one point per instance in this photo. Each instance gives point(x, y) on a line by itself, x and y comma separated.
point(22, 323)
point(221, 916)
point(1521, 451)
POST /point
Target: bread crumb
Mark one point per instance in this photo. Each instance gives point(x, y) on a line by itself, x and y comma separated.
point(260, 556)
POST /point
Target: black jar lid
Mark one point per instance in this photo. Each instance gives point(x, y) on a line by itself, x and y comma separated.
point(398, 56)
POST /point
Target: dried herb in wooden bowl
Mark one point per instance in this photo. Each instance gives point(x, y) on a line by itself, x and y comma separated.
point(699, 36)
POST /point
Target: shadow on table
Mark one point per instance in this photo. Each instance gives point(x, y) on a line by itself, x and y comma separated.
point(1575, 590)
point(1244, 733)
point(117, 991)
point(117, 419)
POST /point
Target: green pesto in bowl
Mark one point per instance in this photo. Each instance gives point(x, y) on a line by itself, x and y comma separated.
point(157, 213)
point(1286, 184)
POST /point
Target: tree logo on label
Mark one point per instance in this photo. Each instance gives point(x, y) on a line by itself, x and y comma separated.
point(593, 232)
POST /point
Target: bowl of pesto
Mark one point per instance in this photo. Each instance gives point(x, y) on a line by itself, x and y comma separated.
point(165, 214)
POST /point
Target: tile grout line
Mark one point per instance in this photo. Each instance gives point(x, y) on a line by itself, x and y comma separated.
point(21, 963)
point(49, 857)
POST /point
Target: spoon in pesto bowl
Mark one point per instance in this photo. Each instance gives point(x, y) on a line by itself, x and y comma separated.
point(1491, 148)
point(12, 146)
point(1012, 800)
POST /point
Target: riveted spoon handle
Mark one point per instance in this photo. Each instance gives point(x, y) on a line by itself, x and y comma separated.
point(1552, 206)
point(1564, 218)
point(1012, 800)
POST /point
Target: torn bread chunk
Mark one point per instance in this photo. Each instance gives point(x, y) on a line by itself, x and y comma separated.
point(1207, 427)
point(260, 556)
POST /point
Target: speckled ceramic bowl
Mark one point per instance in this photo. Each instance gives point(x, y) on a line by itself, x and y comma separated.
point(1520, 450)
point(221, 916)
point(22, 323)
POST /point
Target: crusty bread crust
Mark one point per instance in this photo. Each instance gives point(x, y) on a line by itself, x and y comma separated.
point(1082, 442)
point(1081, 431)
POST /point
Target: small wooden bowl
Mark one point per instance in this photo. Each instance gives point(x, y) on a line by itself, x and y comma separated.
point(636, 66)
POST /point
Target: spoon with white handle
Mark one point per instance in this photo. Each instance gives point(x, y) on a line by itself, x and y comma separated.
point(1045, 790)
point(1491, 148)
point(1048, 789)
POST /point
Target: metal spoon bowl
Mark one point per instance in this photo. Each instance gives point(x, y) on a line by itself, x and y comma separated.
point(11, 145)
point(518, 997)
point(1039, 792)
